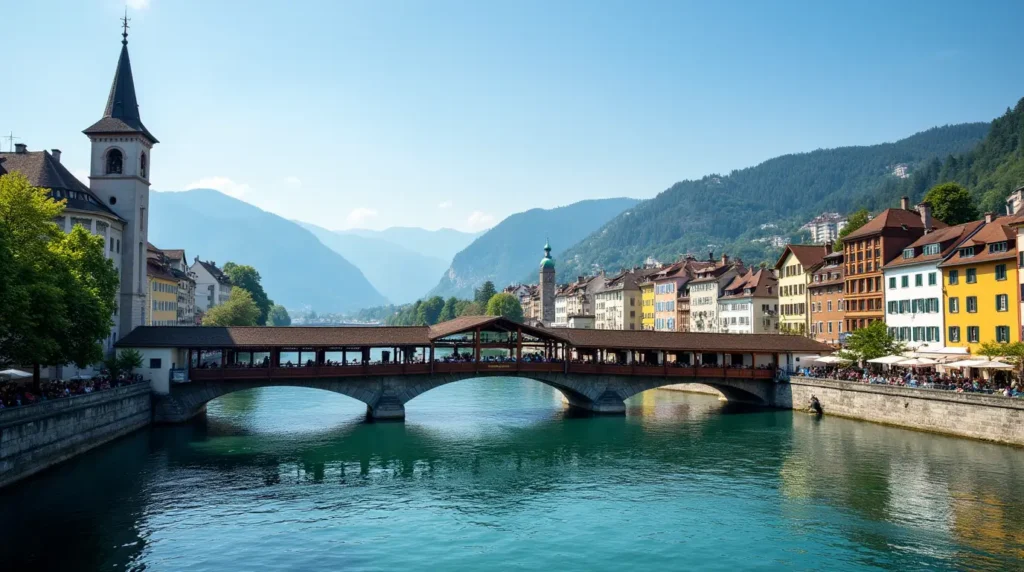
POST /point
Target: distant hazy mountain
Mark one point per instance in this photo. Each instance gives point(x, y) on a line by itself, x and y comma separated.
point(513, 249)
point(297, 269)
point(442, 243)
point(396, 271)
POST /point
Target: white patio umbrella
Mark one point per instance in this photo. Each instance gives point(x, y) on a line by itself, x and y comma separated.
point(832, 360)
point(14, 374)
point(889, 360)
point(914, 362)
point(993, 365)
point(965, 363)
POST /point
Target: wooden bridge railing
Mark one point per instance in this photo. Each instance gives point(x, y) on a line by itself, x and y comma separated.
point(331, 371)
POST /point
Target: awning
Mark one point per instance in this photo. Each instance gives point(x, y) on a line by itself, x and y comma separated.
point(14, 374)
point(889, 360)
point(832, 360)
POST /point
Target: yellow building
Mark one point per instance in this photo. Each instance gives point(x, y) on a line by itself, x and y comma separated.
point(647, 304)
point(161, 296)
point(795, 268)
point(980, 288)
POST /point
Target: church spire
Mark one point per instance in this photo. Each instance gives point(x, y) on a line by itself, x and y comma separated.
point(122, 112)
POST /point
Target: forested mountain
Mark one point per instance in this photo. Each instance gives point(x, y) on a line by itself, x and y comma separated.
point(511, 251)
point(396, 271)
point(297, 270)
point(726, 213)
point(442, 243)
point(991, 170)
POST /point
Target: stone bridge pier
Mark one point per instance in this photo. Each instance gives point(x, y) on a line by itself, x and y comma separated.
point(386, 396)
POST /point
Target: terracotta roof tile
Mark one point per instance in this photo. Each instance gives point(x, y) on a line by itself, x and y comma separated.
point(892, 219)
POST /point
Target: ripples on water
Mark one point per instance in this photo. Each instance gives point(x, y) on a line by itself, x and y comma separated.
point(493, 474)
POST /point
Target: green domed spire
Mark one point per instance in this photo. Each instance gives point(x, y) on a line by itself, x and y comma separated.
point(547, 261)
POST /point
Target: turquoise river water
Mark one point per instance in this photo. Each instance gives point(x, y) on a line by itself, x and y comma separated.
point(494, 475)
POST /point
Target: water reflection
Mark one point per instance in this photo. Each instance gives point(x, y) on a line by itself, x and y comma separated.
point(493, 473)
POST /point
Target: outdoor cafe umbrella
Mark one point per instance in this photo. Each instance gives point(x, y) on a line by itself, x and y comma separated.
point(915, 362)
point(832, 360)
point(14, 374)
point(889, 360)
point(993, 365)
point(965, 363)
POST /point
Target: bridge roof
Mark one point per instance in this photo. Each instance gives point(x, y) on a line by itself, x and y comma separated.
point(691, 341)
point(490, 323)
point(267, 336)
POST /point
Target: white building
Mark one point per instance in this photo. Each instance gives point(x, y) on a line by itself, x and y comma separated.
point(705, 290)
point(213, 287)
point(825, 228)
point(750, 304)
point(913, 287)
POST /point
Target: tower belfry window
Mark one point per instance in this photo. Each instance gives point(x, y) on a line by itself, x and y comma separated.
point(142, 165)
point(115, 162)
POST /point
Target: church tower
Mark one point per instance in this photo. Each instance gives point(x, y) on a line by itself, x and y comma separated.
point(119, 175)
point(547, 287)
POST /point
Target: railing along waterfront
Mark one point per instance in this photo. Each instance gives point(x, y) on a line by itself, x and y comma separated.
point(927, 387)
point(335, 371)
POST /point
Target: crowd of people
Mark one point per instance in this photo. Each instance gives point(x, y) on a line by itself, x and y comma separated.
point(951, 381)
point(15, 393)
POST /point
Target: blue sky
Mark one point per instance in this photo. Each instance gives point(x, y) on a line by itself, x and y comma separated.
point(457, 114)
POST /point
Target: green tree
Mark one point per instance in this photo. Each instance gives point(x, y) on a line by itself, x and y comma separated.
point(853, 222)
point(246, 277)
point(278, 316)
point(429, 310)
point(58, 295)
point(129, 360)
point(450, 310)
point(873, 342)
point(951, 203)
point(506, 306)
point(483, 294)
point(239, 310)
point(471, 309)
point(1013, 352)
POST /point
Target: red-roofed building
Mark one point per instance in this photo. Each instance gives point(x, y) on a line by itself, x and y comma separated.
point(867, 249)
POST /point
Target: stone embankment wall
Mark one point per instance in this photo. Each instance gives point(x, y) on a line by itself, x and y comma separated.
point(990, 418)
point(38, 436)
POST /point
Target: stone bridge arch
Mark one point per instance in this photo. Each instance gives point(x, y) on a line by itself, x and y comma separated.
point(385, 396)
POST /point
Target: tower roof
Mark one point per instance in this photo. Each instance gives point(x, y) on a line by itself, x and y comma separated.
point(547, 261)
point(122, 112)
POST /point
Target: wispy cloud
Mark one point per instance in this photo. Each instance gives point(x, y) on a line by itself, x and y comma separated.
point(445, 205)
point(222, 184)
point(137, 4)
point(360, 216)
point(293, 182)
point(479, 220)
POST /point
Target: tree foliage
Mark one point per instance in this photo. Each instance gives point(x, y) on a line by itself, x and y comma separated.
point(278, 316)
point(428, 312)
point(1013, 352)
point(483, 294)
point(873, 342)
point(853, 222)
point(125, 361)
point(246, 277)
point(506, 306)
point(239, 310)
point(58, 291)
point(951, 203)
point(450, 310)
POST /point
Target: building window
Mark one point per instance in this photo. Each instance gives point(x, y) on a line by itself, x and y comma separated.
point(892, 283)
point(115, 162)
point(954, 333)
point(142, 165)
point(1002, 303)
point(967, 252)
point(1000, 272)
point(931, 279)
point(972, 304)
point(908, 253)
point(154, 363)
point(931, 249)
point(954, 276)
point(918, 280)
point(972, 334)
point(972, 275)
point(997, 247)
point(904, 281)
point(1003, 334)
